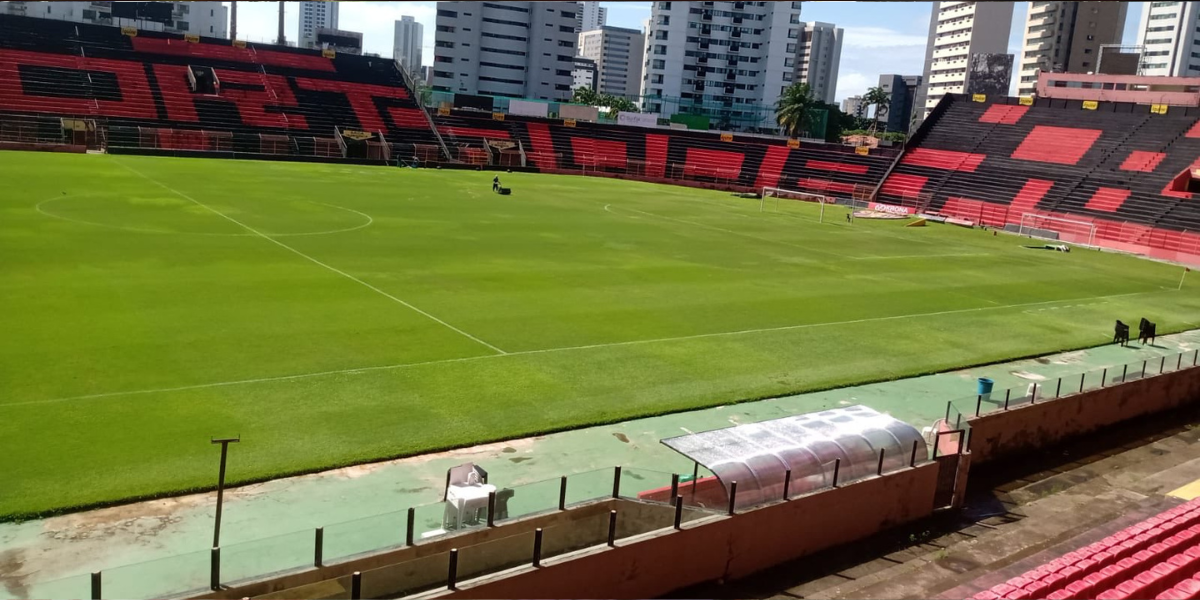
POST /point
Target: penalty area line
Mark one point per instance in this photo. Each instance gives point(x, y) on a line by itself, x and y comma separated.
point(562, 349)
point(309, 258)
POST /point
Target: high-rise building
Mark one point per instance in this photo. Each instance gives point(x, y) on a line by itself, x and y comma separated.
point(590, 16)
point(728, 61)
point(514, 49)
point(209, 19)
point(1170, 36)
point(817, 59)
point(1065, 37)
point(618, 53)
point(902, 101)
point(406, 46)
point(584, 74)
point(956, 31)
point(313, 16)
point(854, 106)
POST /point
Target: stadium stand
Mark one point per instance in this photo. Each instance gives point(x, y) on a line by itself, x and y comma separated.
point(274, 100)
point(1155, 558)
point(1119, 167)
point(743, 161)
point(263, 99)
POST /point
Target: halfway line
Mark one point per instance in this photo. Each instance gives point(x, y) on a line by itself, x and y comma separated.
point(563, 349)
point(309, 258)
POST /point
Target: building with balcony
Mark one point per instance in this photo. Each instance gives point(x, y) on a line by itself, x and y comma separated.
point(1065, 37)
point(618, 53)
point(314, 16)
point(817, 59)
point(728, 61)
point(209, 19)
point(1170, 35)
point(854, 106)
point(514, 49)
point(956, 31)
point(590, 16)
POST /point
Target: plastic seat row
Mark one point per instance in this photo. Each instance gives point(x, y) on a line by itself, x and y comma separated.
point(1141, 561)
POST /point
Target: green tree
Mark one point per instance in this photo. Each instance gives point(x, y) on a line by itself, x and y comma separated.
point(880, 100)
point(792, 108)
point(612, 104)
point(585, 95)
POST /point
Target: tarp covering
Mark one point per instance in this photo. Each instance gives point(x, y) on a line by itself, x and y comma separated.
point(757, 455)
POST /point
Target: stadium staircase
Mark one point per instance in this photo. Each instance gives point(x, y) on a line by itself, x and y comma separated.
point(1155, 558)
point(1118, 167)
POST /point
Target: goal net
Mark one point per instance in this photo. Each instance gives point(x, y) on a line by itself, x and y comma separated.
point(771, 196)
point(1058, 228)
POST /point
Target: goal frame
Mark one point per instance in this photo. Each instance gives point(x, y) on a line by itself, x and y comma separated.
point(768, 191)
point(1030, 222)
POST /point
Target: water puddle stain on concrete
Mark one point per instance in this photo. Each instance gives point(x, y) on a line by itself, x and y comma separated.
point(622, 437)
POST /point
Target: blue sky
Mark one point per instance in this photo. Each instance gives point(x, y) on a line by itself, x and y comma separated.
point(881, 37)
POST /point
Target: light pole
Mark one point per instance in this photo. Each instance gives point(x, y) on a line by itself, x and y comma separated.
point(224, 442)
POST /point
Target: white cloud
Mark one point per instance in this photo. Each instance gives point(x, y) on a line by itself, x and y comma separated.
point(869, 51)
point(258, 21)
point(879, 37)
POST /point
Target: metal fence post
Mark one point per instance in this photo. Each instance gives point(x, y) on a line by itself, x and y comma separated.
point(837, 466)
point(787, 482)
point(947, 419)
point(879, 470)
point(732, 496)
point(616, 482)
point(678, 511)
point(537, 547)
point(1058, 388)
point(318, 546)
point(612, 528)
point(1162, 363)
point(1082, 378)
point(1195, 356)
point(978, 403)
point(356, 585)
point(1179, 361)
point(562, 493)
point(96, 588)
point(1144, 368)
point(491, 519)
point(1007, 393)
point(675, 484)
point(912, 461)
point(1032, 397)
point(214, 569)
point(408, 530)
point(452, 572)
point(1124, 371)
point(1104, 377)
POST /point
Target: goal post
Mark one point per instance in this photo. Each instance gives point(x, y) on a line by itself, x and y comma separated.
point(778, 193)
point(1062, 229)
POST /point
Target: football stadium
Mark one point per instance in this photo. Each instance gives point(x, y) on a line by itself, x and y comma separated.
point(455, 345)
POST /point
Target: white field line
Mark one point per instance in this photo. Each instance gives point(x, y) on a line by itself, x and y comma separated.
point(312, 260)
point(39, 205)
point(567, 349)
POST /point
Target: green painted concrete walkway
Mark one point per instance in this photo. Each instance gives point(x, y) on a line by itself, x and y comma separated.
point(269, 526)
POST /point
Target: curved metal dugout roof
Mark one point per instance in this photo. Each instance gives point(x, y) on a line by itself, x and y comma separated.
point(757, 455)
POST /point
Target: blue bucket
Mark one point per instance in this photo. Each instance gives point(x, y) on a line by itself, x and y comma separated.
point(984, 387)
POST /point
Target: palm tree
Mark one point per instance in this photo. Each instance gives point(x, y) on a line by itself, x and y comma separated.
point(880, 100)
point(792, 108)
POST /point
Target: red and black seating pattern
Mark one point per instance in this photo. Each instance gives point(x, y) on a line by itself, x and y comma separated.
point(1156, 558)
point(52, 67)
point(747, 161)
point(1119, 166)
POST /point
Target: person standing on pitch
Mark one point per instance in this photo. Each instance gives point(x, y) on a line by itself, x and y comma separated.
point(496, 183)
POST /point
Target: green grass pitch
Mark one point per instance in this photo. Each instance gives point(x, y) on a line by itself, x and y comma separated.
point(334, 314)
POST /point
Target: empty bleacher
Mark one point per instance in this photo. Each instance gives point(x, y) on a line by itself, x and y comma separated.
point(1114, 166)
point(139, 85)
point(744, 161)
point(1155, 558)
